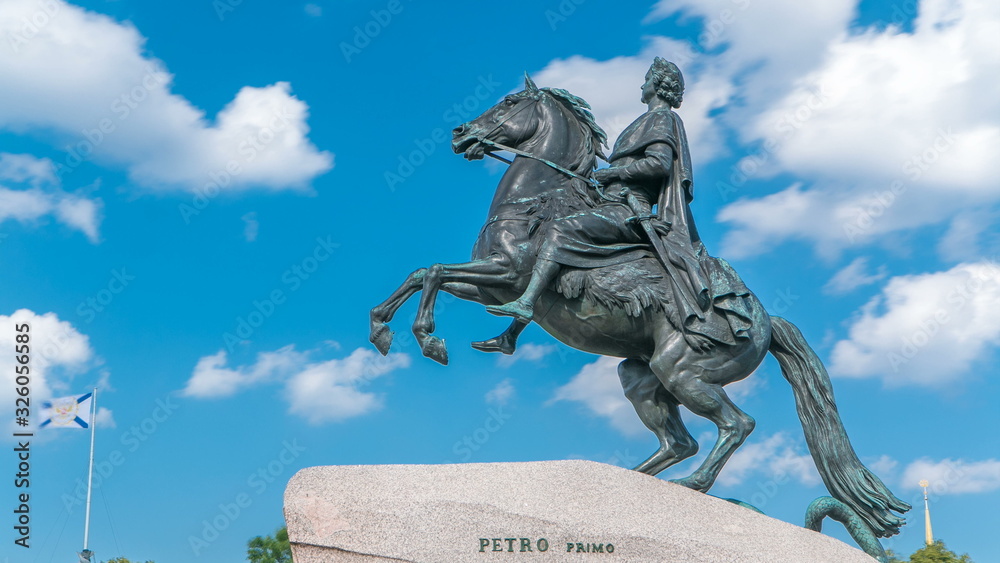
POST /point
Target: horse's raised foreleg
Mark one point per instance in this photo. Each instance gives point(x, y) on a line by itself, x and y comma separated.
point(492, 272)
point(659, 411)
point(380, 335)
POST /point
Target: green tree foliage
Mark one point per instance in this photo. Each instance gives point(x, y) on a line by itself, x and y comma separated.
point(269, 549)
point(934, 553)
point(937, 553)
point(122, 560)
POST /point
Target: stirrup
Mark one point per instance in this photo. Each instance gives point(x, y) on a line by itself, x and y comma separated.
point(511, 310)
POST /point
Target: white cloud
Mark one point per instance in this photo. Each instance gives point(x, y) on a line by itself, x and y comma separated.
point(758, 36)
point(924, 329)
point(105, 419)
point(776, 456)
point(903, 134)
point(953, 477)
point(211, 377)
point(884, 466)
point(527, 352)
point(887, 131)
point(86, 81)
point(597, 386)
point(314, 10)
point(30, 191)
point(858, 116)
point(58, 354)
point(502, 393)
point(969, 235)
point(330, 391)
point(853, 276)
point(891, 95)
point(323, 391)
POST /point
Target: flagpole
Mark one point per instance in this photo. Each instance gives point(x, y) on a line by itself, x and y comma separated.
point(90, 471)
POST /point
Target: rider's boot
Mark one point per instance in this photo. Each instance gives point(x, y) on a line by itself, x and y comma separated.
point(506, 343)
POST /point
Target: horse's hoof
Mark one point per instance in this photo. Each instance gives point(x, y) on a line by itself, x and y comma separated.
point(434, 348)
point(693, 483)
point(381, 337)
point(646, 468)
point(498, 344)
point(655, 464)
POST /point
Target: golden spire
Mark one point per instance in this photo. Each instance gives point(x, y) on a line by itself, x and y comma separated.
point(927, 514)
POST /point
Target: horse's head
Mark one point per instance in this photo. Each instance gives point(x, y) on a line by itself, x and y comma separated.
point(548, 123)
point(510, 122)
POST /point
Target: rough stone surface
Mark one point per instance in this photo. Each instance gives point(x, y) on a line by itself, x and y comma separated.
point(445, 513)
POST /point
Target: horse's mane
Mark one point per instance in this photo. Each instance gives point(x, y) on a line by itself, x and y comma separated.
point(594, 135)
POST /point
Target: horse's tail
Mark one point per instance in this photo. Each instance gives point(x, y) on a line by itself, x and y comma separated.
point(845, 477)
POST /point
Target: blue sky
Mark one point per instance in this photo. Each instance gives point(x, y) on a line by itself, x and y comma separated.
point(171, 173)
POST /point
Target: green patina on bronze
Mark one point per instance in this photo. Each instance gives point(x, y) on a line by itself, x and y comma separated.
point(609, 262)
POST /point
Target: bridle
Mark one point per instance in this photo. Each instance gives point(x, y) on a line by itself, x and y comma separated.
point(482, 139)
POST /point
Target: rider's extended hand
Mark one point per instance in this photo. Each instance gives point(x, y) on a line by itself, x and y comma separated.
point(604, 176)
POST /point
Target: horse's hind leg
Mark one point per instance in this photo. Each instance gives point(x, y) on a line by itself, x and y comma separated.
point(710, 401)
point(380, 335)
point(658, 410)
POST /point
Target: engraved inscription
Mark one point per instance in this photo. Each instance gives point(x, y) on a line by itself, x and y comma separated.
point(511, 545)
point(580, 547)
point(526, 545)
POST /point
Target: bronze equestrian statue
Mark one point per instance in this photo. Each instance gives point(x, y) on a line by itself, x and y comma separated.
point(609, 262)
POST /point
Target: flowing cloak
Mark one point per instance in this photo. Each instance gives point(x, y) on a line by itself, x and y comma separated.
point(706, 291)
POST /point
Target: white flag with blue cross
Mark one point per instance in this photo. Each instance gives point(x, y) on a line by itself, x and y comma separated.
point(67, 412)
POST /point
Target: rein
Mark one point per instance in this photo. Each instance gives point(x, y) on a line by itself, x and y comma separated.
point(549, 163)
point(485, 141)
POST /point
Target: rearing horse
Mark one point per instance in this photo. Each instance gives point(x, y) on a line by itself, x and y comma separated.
point(557, 143)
